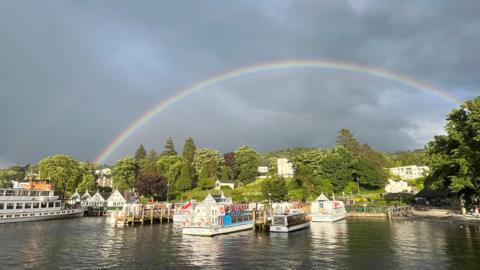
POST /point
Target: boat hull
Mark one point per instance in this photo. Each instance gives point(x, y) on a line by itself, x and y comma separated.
point(286, 229)
point(63, 214)
point(328, 217)
point(212, 231)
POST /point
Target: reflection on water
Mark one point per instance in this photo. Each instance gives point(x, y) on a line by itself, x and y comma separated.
point(87, 243)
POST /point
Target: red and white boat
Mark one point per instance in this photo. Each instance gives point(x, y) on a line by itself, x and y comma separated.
point(325, 210)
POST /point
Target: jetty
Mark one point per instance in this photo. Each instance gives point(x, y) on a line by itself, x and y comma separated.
point(140, 214)
point(388, 212)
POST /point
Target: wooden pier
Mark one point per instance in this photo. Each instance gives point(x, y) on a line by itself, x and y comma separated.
point(94, 211)
point(142, 215)
point(388, 212)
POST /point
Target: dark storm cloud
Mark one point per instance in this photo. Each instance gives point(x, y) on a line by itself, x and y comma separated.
point(75, 73)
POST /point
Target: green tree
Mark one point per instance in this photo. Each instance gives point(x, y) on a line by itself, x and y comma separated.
point(170, 167)
point(63, 171)
point(225, 173)
point(169, 148)
point(124, 173)
point(246, 164)
point(204, 181)
point(206, 156)
point(16, 173)
point(185, 181)
point(275, 188)
point(140, 153)
point(346, 138)
point(189, 150)
point(454, 158)
point(152, 156)
point(88, 183)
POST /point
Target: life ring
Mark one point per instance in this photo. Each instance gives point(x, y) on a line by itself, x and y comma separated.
point(222, 210)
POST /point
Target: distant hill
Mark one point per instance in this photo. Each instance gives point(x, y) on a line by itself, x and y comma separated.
point(288, 153)
point(405, 158)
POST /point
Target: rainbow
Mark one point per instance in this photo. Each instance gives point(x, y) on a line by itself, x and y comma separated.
point(262, 68)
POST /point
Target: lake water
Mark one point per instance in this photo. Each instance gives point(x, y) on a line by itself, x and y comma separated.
point(86, 243)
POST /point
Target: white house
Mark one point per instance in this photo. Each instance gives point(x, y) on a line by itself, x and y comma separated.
point(409, 172)
point(85, 197)
point(284, 167)
point(397, 186)
point(224, 183)
point(97, 200)
point(104, 177)
point(263, 169)
point(75, 198)
point(115, 201)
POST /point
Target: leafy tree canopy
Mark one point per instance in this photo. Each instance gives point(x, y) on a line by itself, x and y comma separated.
point(454, 158)
point(124, 172)
point(63, 171)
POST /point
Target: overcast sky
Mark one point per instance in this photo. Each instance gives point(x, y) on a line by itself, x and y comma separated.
point(73, 74)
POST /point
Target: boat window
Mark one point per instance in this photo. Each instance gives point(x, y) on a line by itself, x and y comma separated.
point(24, 193)
point(43, 193)
point(44, 205)
point(8, 192)
point(9, 205)
point(35, 205)
point(57, 204)
point(19, 206)
point(28, 205)
point(2, 205)
point(279, 220)
point(50, 204)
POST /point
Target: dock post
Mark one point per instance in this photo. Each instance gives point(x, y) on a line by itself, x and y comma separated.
point(168, 215)
point(161, 214)
point(151, 215)
point(124, 214)
point(116, 216)
point(254, 219)
point(143, 216)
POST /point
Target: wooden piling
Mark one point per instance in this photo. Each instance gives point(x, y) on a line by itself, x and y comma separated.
point(161, 214)
point(151, 215)
point(143, 216)
point(168, 215)
point(254, 219)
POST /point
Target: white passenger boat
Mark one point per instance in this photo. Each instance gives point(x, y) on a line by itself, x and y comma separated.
point(180, 213)
point(325, 210)
point(210, 218)
point(33, 201)
point(289, 221)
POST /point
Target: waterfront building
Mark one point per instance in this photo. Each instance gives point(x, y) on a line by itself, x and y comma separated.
point(284, 167)
point(397, 186)
point(224, 183)
point(409, 172)
point(115, 200)
point(76, 198)
point(97, 200)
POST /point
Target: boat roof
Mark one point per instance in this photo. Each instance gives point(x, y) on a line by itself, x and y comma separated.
point(322, 197)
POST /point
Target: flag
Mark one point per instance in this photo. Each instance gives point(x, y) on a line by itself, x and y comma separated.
point(187, 205)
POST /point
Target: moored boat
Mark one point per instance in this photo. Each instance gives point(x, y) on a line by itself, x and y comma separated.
point(289, 221)
point(325, 210)
point(33, 201)
point(210, 218)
